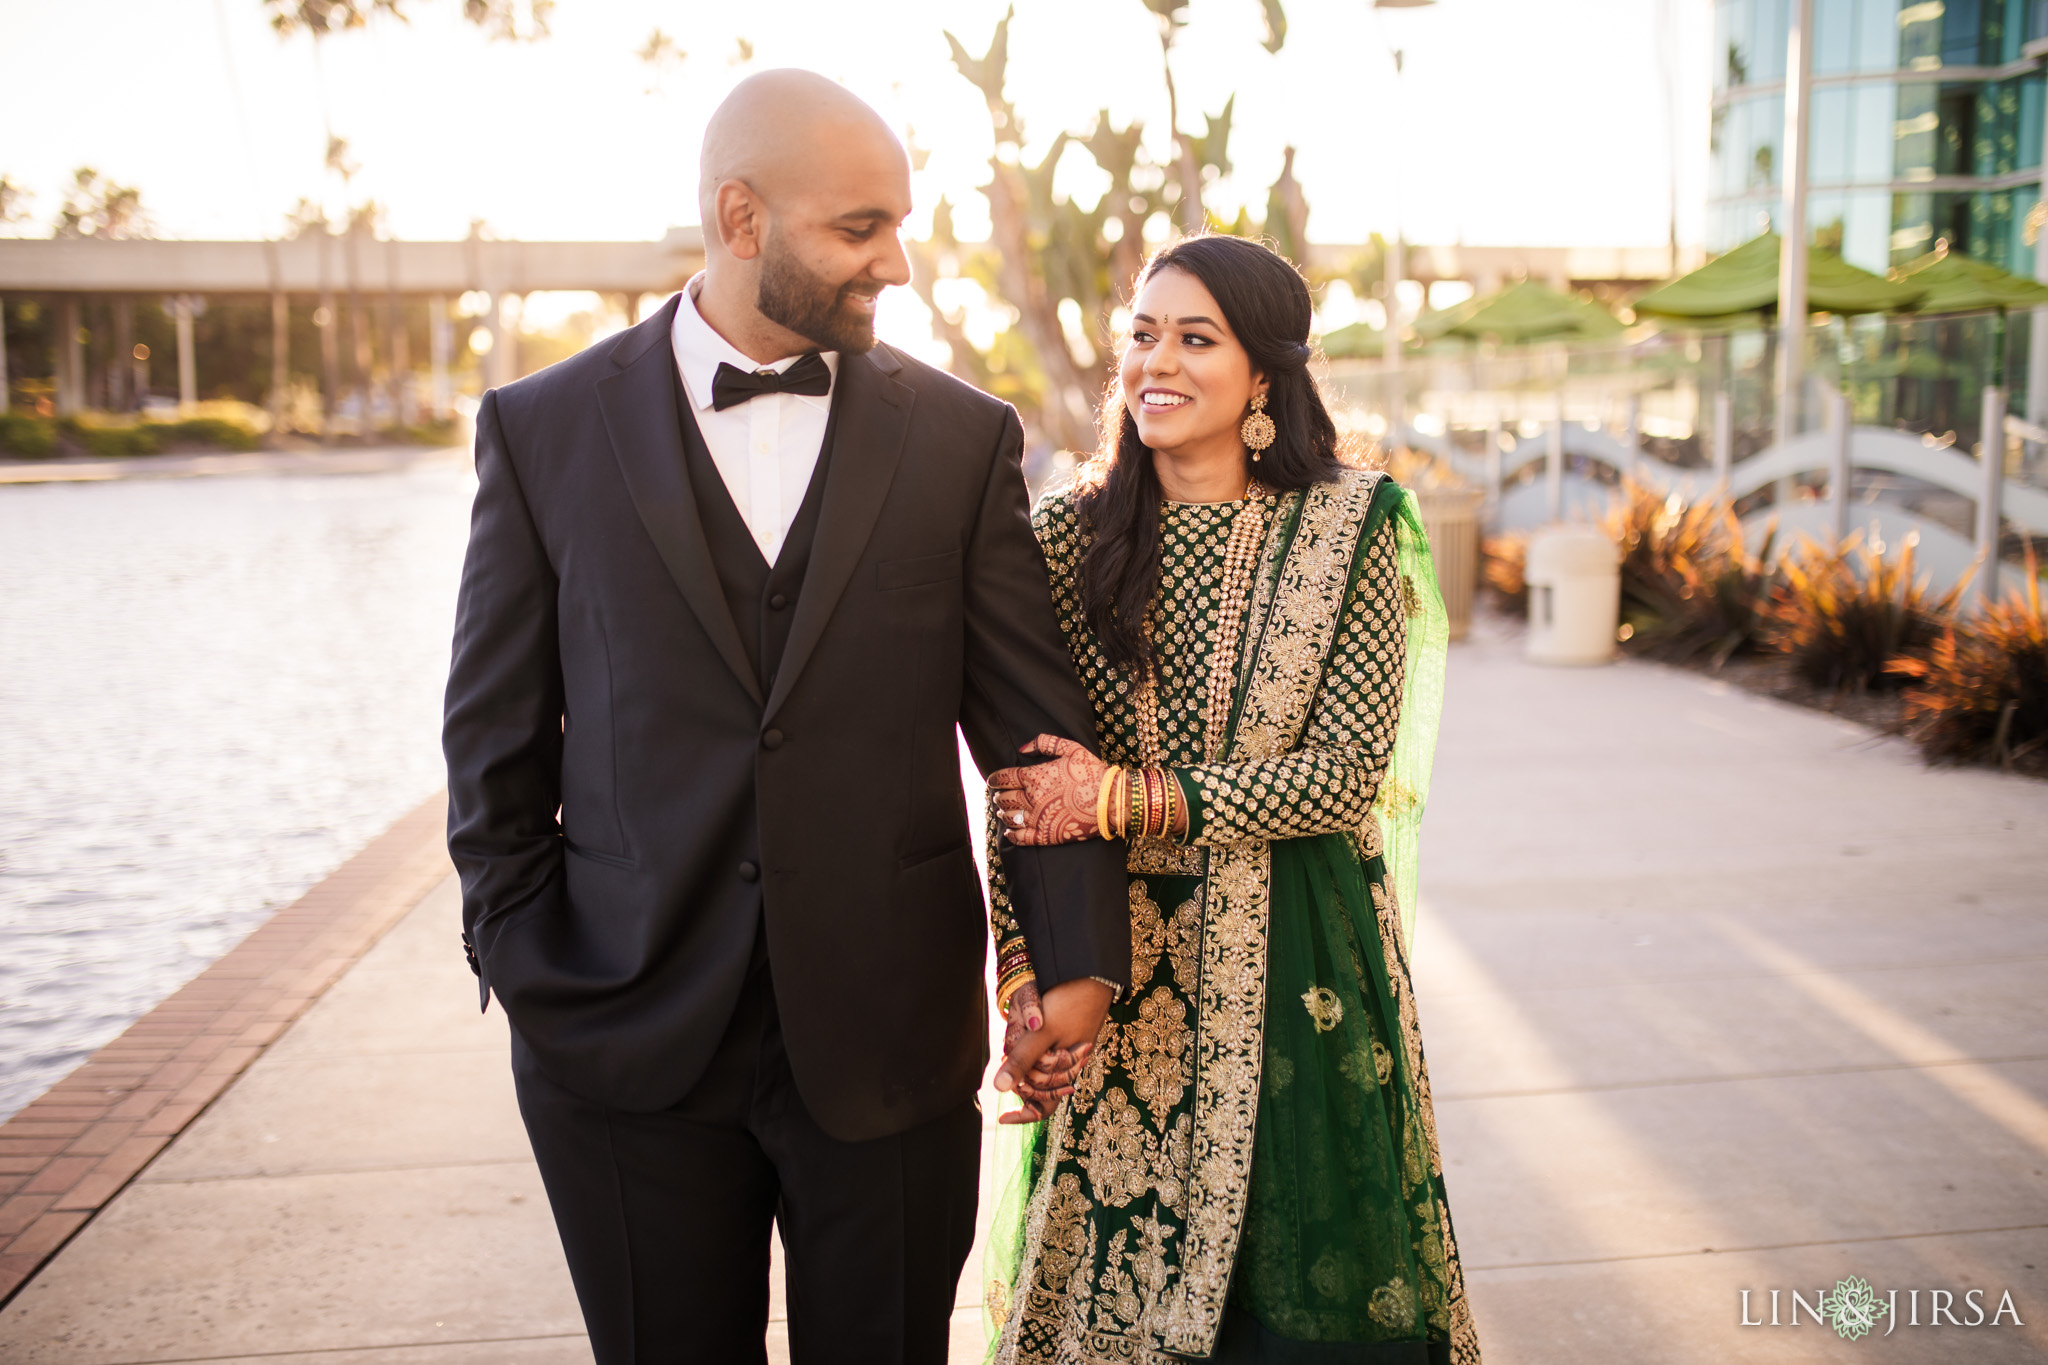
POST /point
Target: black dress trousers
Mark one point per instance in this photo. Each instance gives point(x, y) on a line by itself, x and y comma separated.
point(665, 1216)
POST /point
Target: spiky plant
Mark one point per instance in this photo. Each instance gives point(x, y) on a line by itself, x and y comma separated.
point(1690, 588)
point(1845, 613)
point(1981, 693)
point(1503, 562)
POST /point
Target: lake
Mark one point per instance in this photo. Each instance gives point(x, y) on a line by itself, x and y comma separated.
point(212, 692)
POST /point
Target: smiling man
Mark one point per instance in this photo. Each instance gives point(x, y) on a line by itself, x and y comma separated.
point(733, 579)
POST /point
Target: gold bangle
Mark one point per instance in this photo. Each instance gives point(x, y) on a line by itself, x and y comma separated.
point(1102, 800)
point(1121, 803)
point(1172, 801)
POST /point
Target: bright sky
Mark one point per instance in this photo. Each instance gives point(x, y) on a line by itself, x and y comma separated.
point(1517, 121)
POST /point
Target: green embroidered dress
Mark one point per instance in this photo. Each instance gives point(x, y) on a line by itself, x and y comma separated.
point(1254, 1128)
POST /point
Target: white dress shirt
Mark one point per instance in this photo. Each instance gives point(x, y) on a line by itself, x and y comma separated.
point(765, 448)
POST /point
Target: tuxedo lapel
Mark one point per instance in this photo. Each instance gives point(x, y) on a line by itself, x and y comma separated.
point(639, 406)
point(871, 419)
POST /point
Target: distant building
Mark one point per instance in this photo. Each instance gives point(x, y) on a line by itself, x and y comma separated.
point(1926, 123)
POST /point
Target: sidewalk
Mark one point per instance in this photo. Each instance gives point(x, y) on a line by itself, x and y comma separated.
point(1722, 994)
point(1718, 994)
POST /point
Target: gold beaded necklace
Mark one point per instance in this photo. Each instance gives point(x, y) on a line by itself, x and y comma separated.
point(1247, 533)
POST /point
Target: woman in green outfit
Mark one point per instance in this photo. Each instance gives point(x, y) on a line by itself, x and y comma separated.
point(1244, 1166)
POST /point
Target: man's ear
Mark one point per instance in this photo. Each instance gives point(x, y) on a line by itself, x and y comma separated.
point(741, 219)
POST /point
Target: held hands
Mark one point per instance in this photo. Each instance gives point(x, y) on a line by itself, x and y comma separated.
point(1050, 803)
point(1047, 1042)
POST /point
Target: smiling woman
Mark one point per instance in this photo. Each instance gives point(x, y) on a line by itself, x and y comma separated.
point(1264, 648)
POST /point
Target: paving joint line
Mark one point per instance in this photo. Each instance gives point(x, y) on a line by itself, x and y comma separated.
point(1767, 1246)
point(1453, 1097)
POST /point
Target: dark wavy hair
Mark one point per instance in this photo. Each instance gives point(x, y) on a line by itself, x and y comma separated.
point(1266, 304)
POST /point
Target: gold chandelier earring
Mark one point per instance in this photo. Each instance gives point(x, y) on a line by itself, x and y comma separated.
point(1258, 429)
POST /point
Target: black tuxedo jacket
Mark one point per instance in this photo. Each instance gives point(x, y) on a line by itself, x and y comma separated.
point(627, 805)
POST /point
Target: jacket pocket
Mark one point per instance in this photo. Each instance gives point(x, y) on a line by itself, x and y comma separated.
point(911, 573)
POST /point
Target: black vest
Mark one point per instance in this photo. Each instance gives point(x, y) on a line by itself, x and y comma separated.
point(761, 597)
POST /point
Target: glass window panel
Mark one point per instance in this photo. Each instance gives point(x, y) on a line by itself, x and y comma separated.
point(1870, 157)
point(1766, 127)
point(1769, 32)
point(1877, 35)
point(1912, 226)
point(1913, 132)
point(1962, 32)
point(2012, 32)
point(1834, 36)
point(1828, 135)
point(1920, 34)
point(2028, 150)
point(1825, 211)
point(1866, 229)
point(1722, 34)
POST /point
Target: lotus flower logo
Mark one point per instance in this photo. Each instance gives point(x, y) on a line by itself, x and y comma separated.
point(1853, 1308)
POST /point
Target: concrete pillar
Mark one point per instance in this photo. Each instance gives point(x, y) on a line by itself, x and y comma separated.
point(1724, 441)
point(3, 355)
point(503, 362)
point(69, 362)
point(327, 320)
point(188, 363)
point(1553, 464)
point(138, 374)
point(1495, 436)
point(440, 349)
point(280, 357)
point(1792, 257)
point(121, 394)
point(1632, 436)
point(1991, 496)
point(1840, 429)
point(401, 364)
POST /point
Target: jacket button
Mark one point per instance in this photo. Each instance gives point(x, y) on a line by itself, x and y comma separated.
point(772, 740)
point(749, 873)
point(778, 601)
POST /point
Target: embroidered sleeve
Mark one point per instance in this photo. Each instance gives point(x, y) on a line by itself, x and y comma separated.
point(1329, 782)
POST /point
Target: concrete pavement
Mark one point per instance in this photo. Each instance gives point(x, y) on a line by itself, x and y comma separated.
point(1718, 994)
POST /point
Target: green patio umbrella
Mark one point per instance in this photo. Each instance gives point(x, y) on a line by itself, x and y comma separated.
point(1523, 312)
point(1956, 283)
point(1356, 342)
point(1745, 280)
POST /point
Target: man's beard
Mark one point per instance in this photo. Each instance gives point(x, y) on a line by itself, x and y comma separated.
point(813, 308)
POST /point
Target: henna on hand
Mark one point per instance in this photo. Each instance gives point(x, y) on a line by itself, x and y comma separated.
point(1050, 803)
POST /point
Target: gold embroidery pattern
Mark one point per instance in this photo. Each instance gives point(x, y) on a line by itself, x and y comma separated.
point(1325, 1010)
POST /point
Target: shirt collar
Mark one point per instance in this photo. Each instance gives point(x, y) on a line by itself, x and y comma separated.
point(700, 351)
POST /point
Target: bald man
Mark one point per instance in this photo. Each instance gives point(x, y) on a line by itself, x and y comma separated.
point(734, 577)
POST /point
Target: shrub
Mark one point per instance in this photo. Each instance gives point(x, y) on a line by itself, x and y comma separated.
point(1690, 588)
point(21, 434)
point(223, 432)
point(101, 437)
point(1980, 695)
point(1844, 614)
point(1503, 560)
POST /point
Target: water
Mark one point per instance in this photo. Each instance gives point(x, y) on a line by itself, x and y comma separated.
point(212, 692)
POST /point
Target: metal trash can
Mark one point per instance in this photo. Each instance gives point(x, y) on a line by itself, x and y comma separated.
point(1574, 575)
point(1451, 516)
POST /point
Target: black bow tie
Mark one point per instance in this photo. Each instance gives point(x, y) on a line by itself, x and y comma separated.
point(732, 386)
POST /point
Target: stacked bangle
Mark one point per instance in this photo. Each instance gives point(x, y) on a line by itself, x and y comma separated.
point(1013, 971)
point(1102, 800)
point(1137, 803)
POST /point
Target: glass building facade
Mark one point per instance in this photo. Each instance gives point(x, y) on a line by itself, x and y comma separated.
point(1926, 123)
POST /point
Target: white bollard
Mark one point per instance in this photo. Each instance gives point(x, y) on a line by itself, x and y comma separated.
point(1574, 577)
